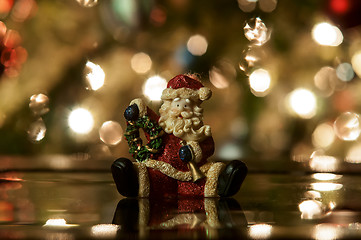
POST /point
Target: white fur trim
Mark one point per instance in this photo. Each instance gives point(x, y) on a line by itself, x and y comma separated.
point(210, 188)
point(210, 169)
point(204, 93)
point(169, 94)
point(172, 172)
point(141, 106)
point(196, 150)
point(144, 185)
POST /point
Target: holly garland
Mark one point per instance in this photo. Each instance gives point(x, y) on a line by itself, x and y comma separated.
point(136, 148)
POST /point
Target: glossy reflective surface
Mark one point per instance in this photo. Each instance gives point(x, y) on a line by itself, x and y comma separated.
point(83, 204)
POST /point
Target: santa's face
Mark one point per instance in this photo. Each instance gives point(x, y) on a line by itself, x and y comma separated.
point(183, 118)
point(181, 108)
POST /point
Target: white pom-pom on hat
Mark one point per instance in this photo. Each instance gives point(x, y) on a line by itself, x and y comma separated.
point(204, 93)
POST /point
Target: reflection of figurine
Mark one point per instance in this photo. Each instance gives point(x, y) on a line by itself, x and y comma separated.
point(193, 217)
point(174, 161)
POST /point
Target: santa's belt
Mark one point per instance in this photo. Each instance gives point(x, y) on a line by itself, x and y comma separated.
point(172, 172)
point(210, 169)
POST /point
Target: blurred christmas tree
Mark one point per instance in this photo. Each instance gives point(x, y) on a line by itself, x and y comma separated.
point(282, 72)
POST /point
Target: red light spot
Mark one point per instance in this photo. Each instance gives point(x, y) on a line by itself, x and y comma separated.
point(8, 57)
point(340, 6)
point(158, 16)
point(6, 5)
point(12, 39)
point(2, 29)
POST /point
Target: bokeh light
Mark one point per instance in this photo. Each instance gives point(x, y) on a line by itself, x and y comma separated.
point(153, 87)
point(230, 151)
point(347, 126)
point(323, 163)
point(104, 230)
point(55, 222)
point(39, 104)
point(354, 154)
point(23, 9)
point(327, 34)
point(111, 133)
point(323, 135)
point(6, 6)
point(81, 121)
point(197, 45)
point(12, 38)
point(356, 62)
point(218, 79)
point(94, 76)
point(312, 195)
point(246, 5)
point(325, 80)
point(3, 28)
point(340, 6)
point(12, 55)
point(256, 31)
point(247, 61)
point(267, 5)
point(326, 186)
point(158, 16)
point(345, 72)
point(58, 223)
point(87, 3)
point(141, 63)
point(260, 82)
point(302, 102)
point(326, 176)
point(311, 209)
point(251, 58)
point(37, 130)
point(326, 231)
point(260, 231)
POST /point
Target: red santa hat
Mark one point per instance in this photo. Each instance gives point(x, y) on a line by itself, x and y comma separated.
point(184, 86)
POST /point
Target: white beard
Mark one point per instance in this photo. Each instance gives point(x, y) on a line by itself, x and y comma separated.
point(188, 128)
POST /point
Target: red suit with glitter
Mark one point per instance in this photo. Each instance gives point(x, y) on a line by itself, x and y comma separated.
point(174, 162)
point(180, 166)
point(162, 185)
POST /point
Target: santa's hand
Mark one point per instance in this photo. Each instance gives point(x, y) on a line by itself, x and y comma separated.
point(131, 113)
point(185, 154)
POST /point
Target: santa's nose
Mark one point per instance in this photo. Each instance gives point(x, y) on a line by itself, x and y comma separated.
point(176, 110)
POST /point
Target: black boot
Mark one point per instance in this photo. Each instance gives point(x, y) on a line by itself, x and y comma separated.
point(125, 177)
point(231, 179)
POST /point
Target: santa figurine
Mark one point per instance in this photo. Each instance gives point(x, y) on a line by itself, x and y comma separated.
point(175, 161)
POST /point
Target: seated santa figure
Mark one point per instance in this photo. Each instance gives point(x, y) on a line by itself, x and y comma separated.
point(178, 164)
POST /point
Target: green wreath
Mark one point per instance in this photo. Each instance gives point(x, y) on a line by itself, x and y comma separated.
point(136, 148)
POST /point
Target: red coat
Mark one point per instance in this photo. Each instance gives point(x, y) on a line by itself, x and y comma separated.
point(162, 185)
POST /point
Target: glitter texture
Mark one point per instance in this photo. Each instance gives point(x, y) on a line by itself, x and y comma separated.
point(182, 219)
point(197, 151)
point(210, 189)
point(144, 186)
point(211, 212)
point(204, 187)
point(172, 172)
point(141, 106)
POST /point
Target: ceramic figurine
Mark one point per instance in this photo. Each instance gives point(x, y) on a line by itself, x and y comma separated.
point(175, 161)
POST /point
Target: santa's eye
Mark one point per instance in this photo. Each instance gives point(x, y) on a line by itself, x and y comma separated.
point(185, 106)
point(177, 105)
